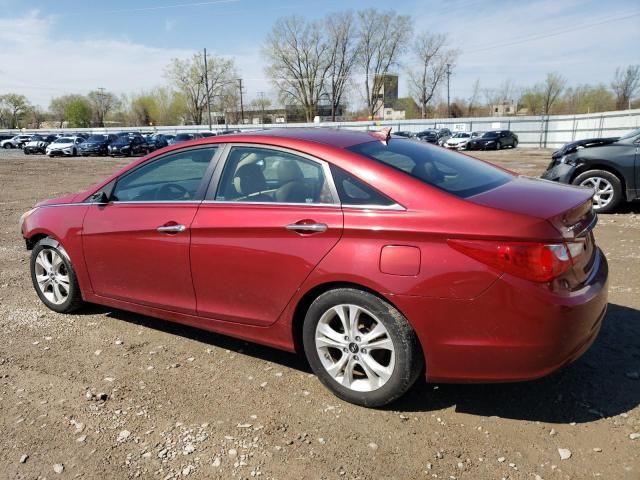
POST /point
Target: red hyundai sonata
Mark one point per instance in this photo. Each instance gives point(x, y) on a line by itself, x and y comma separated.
point(382, 258)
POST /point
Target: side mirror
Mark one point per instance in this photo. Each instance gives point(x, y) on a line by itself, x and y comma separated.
point(100, 198)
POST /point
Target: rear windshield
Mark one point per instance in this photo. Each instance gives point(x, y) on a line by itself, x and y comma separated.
point(452, 172)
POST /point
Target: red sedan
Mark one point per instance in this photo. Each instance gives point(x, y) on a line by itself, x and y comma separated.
point(382, 258)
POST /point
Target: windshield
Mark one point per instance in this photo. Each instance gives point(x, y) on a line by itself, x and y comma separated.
point(97, 138)
point(490, 135)
point(184, 136)
point(461, 135)
point(64, 140)
point(452, 172)
point(36, 138)
point(631, 134)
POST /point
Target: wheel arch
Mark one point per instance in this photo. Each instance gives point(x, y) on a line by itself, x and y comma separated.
point(600, 166)
point(310, 295)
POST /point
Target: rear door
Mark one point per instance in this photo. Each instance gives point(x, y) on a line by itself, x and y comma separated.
point(273, 216)
point(137, 246)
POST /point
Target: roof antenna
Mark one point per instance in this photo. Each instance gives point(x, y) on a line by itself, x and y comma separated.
point(384, 134)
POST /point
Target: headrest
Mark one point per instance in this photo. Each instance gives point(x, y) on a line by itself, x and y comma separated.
point(249, 179)
point(288, 171)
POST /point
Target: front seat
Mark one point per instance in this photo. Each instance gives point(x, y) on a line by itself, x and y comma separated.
point(249, 182)
point(291, 178)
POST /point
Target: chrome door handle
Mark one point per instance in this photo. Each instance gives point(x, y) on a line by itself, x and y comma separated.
point(307, 227)
point(171, 228)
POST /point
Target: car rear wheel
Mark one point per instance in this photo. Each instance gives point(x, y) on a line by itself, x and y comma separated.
point(361, 347)
point(54, 278)
point(606, 186)
point(8, 145)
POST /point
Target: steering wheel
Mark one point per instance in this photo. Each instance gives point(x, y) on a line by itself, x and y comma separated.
point(171, 191)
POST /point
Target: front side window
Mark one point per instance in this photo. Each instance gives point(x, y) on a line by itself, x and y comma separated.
point(175, 177)
point(452, 172)
point(254, 174)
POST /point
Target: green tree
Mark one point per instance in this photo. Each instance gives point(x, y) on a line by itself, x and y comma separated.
point(78, 113)
point(16, 107)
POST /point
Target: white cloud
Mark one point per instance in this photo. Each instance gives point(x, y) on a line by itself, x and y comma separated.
point(40, 66)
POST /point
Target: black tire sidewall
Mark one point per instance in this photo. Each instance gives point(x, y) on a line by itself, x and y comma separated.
point(408, 354)
point(615, 183)
point(74, 298)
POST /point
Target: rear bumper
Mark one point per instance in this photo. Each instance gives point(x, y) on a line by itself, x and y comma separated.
point(516, 330)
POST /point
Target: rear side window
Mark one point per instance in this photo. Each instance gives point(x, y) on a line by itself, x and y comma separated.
point(452, 172)
point(354, 192)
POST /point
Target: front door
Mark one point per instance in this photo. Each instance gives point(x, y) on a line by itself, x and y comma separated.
point(137, 245)
point(253, 243)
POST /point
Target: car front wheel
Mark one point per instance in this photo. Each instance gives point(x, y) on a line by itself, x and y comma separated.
point(54, 278)
point(607, 189)
point(361, 347)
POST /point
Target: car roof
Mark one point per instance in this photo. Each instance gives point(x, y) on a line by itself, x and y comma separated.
point(324, 135)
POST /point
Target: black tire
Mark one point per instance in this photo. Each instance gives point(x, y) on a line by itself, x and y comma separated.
point(409, 361)
point(515, 143)
point(8, 145)
point(74, 298)
point(74, 153)
point(612, 179)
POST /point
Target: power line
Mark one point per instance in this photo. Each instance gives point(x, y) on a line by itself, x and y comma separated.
point(541, 36)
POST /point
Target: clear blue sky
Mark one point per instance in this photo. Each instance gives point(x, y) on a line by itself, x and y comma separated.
point(50, 48)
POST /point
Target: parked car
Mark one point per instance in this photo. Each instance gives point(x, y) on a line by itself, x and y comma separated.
point(5, 137)
point(67, 146)
point(458, 141)
point(405, 134)
point(610, 166)
point(128, 145)
point(494, 140)
point(184, 137)
point(97, 144)
point(16, 141)
point(229, 132)
point(207, 134)
point(437, 136)
point(156, 141)
point(488, 275)
point(38, 144)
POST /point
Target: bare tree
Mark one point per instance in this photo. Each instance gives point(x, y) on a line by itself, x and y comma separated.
point(342, 43)
point(432, 59)
point(102, 102)
point(298, 61)
point(625, 85)
point(188, 77)
point(551, 89)
point(382, 39)
point(474, 99)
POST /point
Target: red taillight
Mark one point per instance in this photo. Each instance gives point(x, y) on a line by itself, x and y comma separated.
point(539, 262)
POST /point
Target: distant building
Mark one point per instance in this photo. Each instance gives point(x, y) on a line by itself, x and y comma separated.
point(385, 98)
point(504, 109)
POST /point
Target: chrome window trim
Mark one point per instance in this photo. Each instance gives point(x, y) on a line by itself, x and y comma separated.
point(135, 202)
point(394, 207)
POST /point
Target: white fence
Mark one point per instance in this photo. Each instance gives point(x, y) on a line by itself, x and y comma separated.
point(548, 131)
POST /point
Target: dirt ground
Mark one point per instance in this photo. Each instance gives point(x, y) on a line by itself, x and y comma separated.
point(109, 394)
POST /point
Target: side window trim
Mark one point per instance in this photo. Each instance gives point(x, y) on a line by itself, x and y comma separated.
point(210, 196)
point(199, 196)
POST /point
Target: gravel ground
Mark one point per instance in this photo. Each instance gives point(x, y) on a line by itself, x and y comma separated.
point(110, 394)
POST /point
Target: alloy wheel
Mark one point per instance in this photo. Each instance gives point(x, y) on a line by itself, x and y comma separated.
point(602, 191)
point(355, 347)
point(52, 276)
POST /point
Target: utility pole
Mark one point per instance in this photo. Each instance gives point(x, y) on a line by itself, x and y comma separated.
point(261, 95)
point(241, 104)
point(206, 86)
point(448, 90)
point(333, 97)
point(101, 107)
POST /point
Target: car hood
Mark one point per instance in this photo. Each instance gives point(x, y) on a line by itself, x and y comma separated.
point(35, 142)
point(586, 143)
point(454, 141)
point(534, 197)
point(70, 198)
point(60, 145)
point(93, 144)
